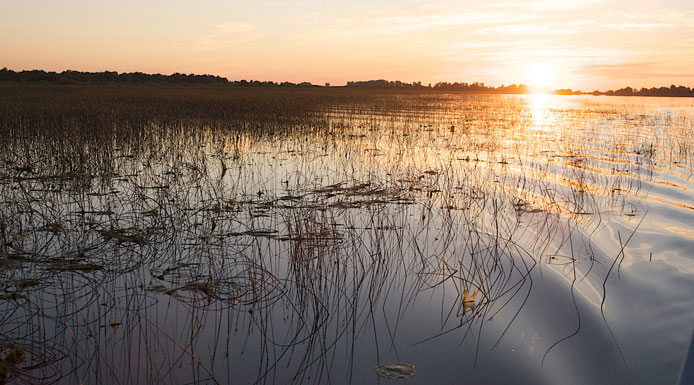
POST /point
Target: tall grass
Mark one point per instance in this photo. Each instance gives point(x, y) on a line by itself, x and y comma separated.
point(166, 234)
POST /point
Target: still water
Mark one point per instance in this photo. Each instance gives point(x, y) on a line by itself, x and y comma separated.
point(528, 239)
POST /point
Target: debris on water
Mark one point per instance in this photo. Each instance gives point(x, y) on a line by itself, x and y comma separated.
point(205, 287)
point(161, 273)
point(123, 236)
point(72, 265)
point(27, 283)
point(469, 301)
point(14, 356)
point(12, 261)
point(53, 227)
point(12, 296)
point(18, 239)
point(8, 363)
point(157, 288)
point(399, 370)
point(469, 298)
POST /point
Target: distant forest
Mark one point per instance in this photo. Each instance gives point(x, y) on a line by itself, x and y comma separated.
point(522, 89)
point(109, 77)
point(673, 90)
point(474, 88)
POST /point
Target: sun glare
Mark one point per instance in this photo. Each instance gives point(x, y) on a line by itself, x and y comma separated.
point(538, 109)
point(540, 77)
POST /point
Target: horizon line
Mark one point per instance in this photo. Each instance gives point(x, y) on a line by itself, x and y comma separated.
point(371, 83)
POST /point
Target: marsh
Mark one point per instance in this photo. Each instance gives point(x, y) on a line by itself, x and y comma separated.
point(209, 234)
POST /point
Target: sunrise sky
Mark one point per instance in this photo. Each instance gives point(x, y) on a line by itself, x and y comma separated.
point(586, 44)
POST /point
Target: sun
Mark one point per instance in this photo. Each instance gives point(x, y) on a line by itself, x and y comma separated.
point(540, 76)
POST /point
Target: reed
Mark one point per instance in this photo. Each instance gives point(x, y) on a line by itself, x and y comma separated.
point(167, 234)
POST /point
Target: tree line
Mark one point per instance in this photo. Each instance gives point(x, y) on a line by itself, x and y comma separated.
point(673, 90)
point(521, 88)
point(109, 77)
point(443, 86)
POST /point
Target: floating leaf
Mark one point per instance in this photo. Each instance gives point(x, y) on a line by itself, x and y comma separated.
point(399, 370)
point(19, 238)
point(157, 288)
point(469, 298)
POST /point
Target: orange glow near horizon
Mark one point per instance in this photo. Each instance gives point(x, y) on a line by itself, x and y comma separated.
point(540, 77)
point(583, 45)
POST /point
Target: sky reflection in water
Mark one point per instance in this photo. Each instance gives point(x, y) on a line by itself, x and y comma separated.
point(525, 239)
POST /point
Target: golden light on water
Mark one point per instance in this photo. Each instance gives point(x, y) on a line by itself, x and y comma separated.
point(538, 110)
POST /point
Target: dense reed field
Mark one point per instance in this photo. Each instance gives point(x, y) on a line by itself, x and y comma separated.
point(161, 234)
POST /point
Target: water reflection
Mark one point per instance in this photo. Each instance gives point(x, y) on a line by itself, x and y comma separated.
point(539, 111)
point(405, 230)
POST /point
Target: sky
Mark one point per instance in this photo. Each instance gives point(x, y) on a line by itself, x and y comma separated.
point(586, 45)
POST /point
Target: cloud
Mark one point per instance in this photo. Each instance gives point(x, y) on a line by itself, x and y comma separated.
point(543, 5)
point(226, 34)
point(654, 19)
point(577, 23)
point(529, 29)
point(388, 24)
point(625, 71)
point(632, 25)
point(484, 44)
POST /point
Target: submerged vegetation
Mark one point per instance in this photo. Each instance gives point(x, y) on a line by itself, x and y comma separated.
point(225, 235)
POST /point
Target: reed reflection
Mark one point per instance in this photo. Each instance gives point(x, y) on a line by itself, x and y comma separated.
point(307, 245)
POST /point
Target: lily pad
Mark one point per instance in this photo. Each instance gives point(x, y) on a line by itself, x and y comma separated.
point(398, 370)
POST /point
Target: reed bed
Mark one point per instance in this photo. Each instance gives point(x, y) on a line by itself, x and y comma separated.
point(162, 234)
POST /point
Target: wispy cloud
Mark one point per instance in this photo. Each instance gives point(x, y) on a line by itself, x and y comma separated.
point(483, 44)
point(647, 20)
point(580, 23)
point(629, 70)
point(633, 25)
point(425, 40)
point(542, 5)
point(386, 24)
point(226, 34)
point(529, 29)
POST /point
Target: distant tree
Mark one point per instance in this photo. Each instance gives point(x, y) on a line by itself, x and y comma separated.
point(107, 77)
point(627, 91)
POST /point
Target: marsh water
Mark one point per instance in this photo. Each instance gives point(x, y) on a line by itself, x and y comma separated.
point(529, 239)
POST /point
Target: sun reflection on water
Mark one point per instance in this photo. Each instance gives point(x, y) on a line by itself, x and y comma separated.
point(539, 111)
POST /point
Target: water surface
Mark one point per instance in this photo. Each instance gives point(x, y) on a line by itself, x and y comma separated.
point(483, 239)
